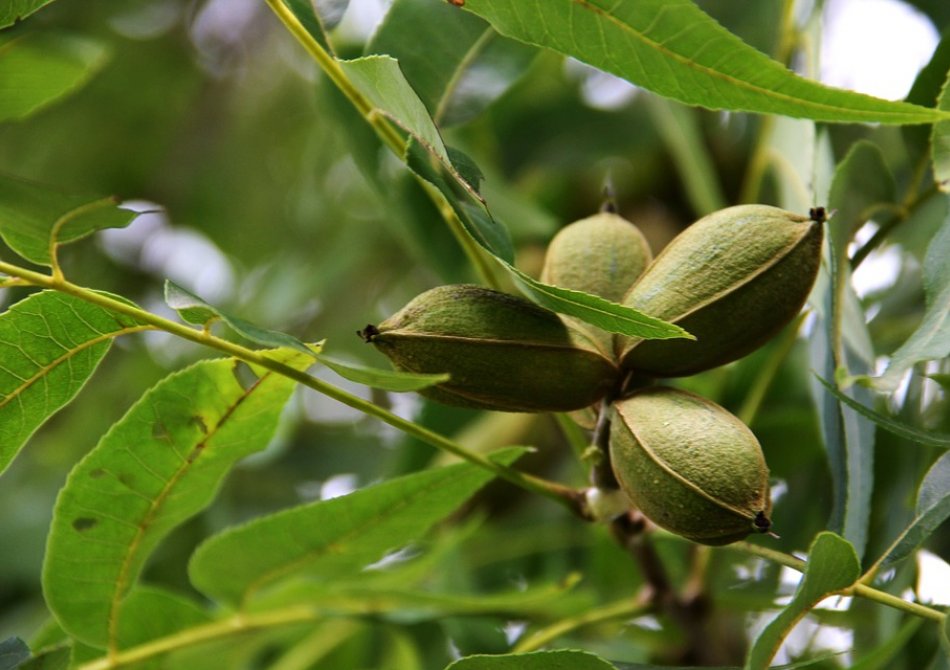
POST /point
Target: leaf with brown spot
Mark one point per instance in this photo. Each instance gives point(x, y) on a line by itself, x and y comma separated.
point(155, 468)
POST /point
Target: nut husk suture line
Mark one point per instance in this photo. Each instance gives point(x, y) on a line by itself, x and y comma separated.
point(502, 352)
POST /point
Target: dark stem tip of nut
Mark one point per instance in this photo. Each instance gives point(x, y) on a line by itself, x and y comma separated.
point(368, 333)
point(762, 523)
point(609, 203)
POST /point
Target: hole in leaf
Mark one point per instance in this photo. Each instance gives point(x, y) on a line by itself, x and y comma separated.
point(245, 375)
point(199, 420)
point(84, 523)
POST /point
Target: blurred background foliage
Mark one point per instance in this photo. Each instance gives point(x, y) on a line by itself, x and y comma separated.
point(207, 115)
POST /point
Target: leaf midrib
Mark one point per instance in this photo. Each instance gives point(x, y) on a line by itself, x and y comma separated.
point(122, 579)
point(625, 28)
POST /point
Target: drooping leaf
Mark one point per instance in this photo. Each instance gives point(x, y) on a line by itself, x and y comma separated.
point(602, 313)
point(561, 659)
point(940, 141)
point(12, 11)
point(933, 508)
point(381, 81)
point(673, 48)
point(465, 66)
point(831, 567)
point(861, 186)
point(470, 208)
point(194, 309)
point(931, 340)
point(34, 217)
point(331, 538)
point(13, 651)
point(848, 445)
point(37, 69)
point(156, 467)
point(887, 423)
point(387, 380)
point(50, 344)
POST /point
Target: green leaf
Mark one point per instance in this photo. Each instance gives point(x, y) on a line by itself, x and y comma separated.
point(195, 310)
point(832, 566)
point(331, 538)
point(933, 508)
point(673, 48)
point(151, 612)
point(465, 66)
point(387, 380)
point(34, 217)
point(561, 659)
point(308, 13)
point(57, 658)
point(50, 344)
point(887, 423)
point(931, 340)
point(816, 660)
point(379, 80)
point(593, 309)
point(469, 206)
point(38, 69)
point(926, 92)
point(881, 657)
point(13, 651)
point(940, 141)
point(156, 467)
point(679, 128)
point(330, 12)
point(862, 185)
point(12, 11)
